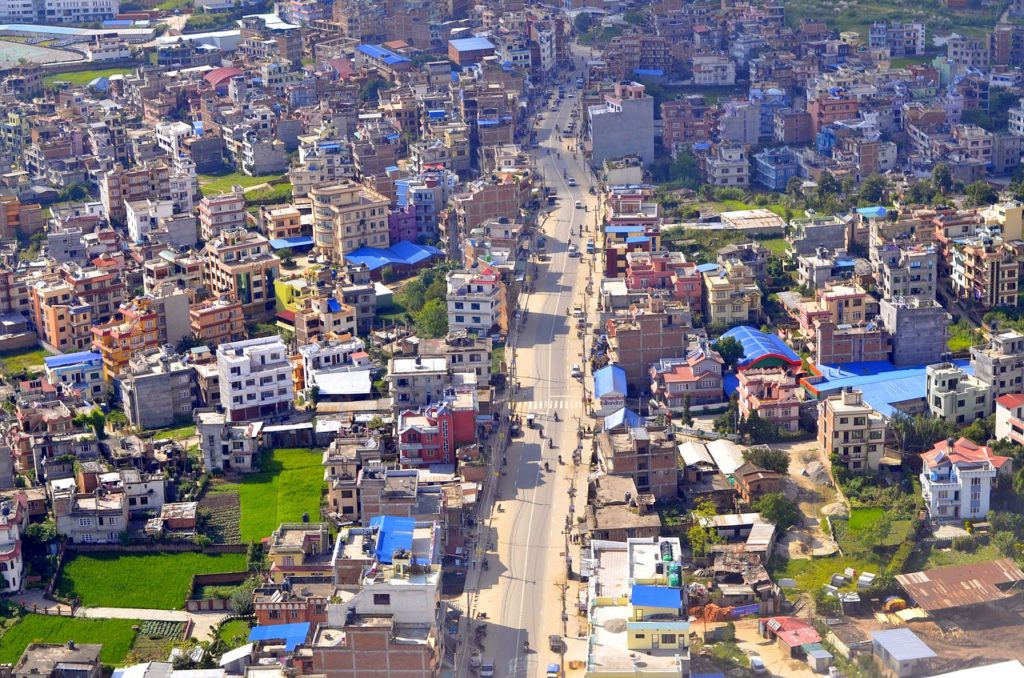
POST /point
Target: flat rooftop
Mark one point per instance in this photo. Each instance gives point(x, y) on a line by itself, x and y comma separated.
point(609, 652)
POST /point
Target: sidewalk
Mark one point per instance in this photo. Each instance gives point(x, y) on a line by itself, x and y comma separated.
point(203, 622)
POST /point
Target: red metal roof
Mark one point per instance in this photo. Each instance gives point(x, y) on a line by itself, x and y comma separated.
point(219, 75)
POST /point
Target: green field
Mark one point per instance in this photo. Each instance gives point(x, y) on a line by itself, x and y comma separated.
point(810, 575)
point(289, 484)
point(214, 184)
point(857, 15)
point(862, 517)
point(962, 335)
point(28, 359)
point(158, 580)
point(116, 635)
point(180, 433)
point(234, 633)
point(82, 78)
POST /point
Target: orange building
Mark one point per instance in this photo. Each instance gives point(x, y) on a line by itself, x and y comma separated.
point(217, 321)
point(120, 340)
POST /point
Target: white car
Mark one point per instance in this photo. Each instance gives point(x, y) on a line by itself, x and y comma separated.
point(579, 204)
point(758, 667)
point(487, 670)
point(573, 251)
point(571, 181)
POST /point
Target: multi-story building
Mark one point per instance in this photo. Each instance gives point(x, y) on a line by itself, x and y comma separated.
point(825, 111)
point(121, 339)
point(713, 70)
point(648, 456)
point(81, 371)
point(727, 165)
point(985, 273)
point(1000, 363)
point(217, 321)
point(240, 264)
point(851, 430)
point(683, 123)
point(255, 379)
point(13, 521)
point(966, 53)
point(224, 212)
point(907, 272)
point(918, 329)
point(476, 301)
point(772, 393)
point(433, 434)
point(809, 234)
point(94, 517)
point(416, 382)
point(638, 340)
point(120, 185)
point(956, 481)
point(900, 39)
point(281, 221)
point(1010, 418)
point(694, 380)
point(348, 216)
point(623, 125)
point(732, 295)
point(774, 167)
point(225, 446)
point(158, 390)
point(465, 353)
point(300, 550)
point(955, 396)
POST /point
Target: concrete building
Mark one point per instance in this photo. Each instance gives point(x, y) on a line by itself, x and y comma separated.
point(416, 382)
point(918, 329)
point(956, 481)
point(239, 263)
point(226, 446)
point(52, 660)
point(772, 393)
point(1000, 363)
point(1010, 418)
point(728, 165)
point(82, 371)
point(93, 517)
point(851, 430)
point(644, 454)
point(637, 341)
point(809, 234)
point(348, 216)
point(216, 321)
point(623, 125)
point(224, 212)
point(13, 521)
point(476, 301)
point(732, 295)
point(956, 396)
point(255, 379)
point(158, 390)
point(907, 272)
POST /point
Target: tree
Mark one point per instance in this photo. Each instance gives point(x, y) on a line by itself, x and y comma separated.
point(432, 320)
point(241, 599)
point(874, 189)
point(981, 193)
point(942, 178)
point(920, 192)
point(370, 91)
point(684, 170)
point(726, 421)
point(779, 509)
point(768, 458)
point(117, 419)
point(413, 295)
point(41, 533)
point(795, 189)
point(981, 430)
point(687, 415)
point(1005, 543)
point(876, 532)
point(730, 349)
point(583, 22)
point(701, 538)
point(918, 433)
point(94, 418)
point(828, 185)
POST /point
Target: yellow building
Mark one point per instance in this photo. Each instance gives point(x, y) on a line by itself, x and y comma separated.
point(300, 550)
point(731, 295)
point(121, 339)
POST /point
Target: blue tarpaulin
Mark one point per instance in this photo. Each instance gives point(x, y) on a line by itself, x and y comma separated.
point(293, 635)
point(292, 243)
point(655, 596)
point(393, 533)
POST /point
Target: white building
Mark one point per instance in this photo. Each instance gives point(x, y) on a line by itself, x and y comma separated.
point(728, 165)
point(956, 396)
point(714, 70)
point(79, 11)
point(171, 136)
point(956, 481)
point(13, 520)
point(418, 381)
point(144, 217)
point(255, 379)
point(476, 301)
point(1010, 417)
point(107, 49)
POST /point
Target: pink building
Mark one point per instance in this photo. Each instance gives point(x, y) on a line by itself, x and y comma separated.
point(665, 271)
point(698, 375)
point(772, 393)
point(402, 225)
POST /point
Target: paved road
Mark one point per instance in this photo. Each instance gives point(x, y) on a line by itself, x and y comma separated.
point(522, 591)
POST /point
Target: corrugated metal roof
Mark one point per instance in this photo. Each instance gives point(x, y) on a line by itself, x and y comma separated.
point(903, 645)
point(943, 588)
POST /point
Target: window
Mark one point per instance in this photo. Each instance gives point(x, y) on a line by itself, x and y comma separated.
point(84, 522)
point(668, 639)
point(382, 599)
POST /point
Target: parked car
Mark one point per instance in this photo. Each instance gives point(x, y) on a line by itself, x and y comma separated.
point(758, 667)
point(573, 251)
point(487, 670)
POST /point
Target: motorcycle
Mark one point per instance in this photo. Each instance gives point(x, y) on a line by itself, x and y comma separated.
point(547, 467)
point(551, 443)
point(559, 459)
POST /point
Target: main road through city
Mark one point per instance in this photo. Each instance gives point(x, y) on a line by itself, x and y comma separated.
point(521, 591)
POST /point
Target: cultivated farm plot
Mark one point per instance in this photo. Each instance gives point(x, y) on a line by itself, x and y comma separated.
point(116, 635)
point(159, 581)
point(156, 638)
point(223, 509)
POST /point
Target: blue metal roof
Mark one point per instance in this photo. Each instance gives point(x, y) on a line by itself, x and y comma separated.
point(637, 239)
point(880, 382)
point(623, 229)
point(902, 645)
point(757, 345)
point(610, 379)
point(656, 596)
point(393, 533)
point(297, 241)
point(707, 268)
point(872, 212)
point(67, 359)
point(403, 253)
point(471, 44)
point(622, 416)
point(650, 72)
point(382, 54)
point(293, 635)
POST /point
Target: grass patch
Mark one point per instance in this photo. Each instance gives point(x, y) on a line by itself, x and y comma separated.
point(160, 580)
point(777, 246)
point(234, 633)
point(30, 360)
point(497, 357)
point(116, 635)
point(289, 484)
point(810, 575)
point(862, 517)
point(83, 78)
point(962, 335)
point(171, 5)
point(214, 184)
point(275, 195)
point(179, 433)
